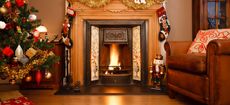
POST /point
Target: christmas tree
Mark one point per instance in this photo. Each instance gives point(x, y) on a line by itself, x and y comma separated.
point(22, 49)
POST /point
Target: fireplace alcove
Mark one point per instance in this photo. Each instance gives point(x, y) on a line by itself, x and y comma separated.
point(97, 53)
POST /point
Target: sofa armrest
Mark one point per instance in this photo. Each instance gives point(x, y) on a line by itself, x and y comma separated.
point(219, 46)
point(177, 47)
point(218, 63)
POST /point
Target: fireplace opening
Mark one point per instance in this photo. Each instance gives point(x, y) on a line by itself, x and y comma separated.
point(115, 56)
point(115, 52)
point(115, 64)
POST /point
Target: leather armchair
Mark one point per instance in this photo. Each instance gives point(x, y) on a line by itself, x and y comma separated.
point(202, 77)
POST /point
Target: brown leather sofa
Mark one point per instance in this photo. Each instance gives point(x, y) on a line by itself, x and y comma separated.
point(202, 77)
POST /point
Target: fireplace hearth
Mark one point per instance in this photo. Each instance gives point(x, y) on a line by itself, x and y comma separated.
point(115, 52)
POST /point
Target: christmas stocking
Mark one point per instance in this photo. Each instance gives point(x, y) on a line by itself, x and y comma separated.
point(70, 14)
point(164, 24)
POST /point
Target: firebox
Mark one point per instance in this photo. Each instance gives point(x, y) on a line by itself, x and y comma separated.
point(115, 52)
point(115, 55)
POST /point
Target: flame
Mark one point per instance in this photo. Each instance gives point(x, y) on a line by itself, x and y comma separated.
point(114, 56)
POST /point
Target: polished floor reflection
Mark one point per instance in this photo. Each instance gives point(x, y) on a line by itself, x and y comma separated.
point(47, 97)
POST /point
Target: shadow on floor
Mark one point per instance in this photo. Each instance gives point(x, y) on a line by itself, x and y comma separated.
point(112, 90)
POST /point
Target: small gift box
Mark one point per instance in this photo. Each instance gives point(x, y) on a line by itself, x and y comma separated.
point(31, 52)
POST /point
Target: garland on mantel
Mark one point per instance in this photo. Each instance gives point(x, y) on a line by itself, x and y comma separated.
point(95, 3)
point(135, 4)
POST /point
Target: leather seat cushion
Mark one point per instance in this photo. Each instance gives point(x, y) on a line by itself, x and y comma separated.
point(193, 63)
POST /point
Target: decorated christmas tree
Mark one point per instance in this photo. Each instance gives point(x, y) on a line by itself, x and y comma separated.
point(22, 48)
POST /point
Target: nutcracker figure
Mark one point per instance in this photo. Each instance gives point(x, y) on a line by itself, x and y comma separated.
point(157, 72)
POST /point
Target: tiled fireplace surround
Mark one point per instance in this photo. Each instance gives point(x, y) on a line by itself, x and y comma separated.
point(110, 15)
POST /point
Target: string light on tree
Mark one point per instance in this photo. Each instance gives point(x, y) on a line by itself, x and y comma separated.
point(48, 74)
point(2, 25)
point(32, 17)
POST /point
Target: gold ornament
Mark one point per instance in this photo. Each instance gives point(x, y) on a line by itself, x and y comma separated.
point(147, 4)
point(3, 10)
point(95, 3)
point(28, 78)
point(12, 81)
point(48, 75)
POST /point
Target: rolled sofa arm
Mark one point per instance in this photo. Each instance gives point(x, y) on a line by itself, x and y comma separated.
point(177, 47)
point(218, 61)
point(219, 46)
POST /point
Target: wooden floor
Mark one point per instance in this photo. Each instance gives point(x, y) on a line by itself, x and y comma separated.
point(47, 97)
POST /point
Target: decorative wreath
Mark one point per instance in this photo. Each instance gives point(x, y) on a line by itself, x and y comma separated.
point(149, 3)
point(95, 3)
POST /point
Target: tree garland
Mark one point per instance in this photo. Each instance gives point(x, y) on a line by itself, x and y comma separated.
point(20, 71)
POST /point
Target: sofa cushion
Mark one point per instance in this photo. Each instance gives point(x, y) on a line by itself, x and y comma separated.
point(203, 37)
point(193, 63)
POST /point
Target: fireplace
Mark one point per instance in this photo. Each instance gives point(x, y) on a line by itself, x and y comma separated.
point(115, 55)
point(115, 52)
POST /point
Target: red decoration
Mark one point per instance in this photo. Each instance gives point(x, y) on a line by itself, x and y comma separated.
point(20, 3)
point(71, 12)
point(38, 77)
point(66, 26)
point(23, 20)
point(164, 24)
point(9, 26)
point(8, 4)
point(36, 35)
point(8, 51)
point(17, 101)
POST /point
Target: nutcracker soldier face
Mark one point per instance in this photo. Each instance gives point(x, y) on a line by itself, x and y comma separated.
point(158, 60)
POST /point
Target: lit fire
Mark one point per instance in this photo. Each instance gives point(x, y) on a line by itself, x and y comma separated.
point(114, 56)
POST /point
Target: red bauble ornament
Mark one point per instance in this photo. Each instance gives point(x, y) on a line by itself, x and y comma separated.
point(24, 20)
point(38, 77)
point(9, 26)
point(8, 51)
point(8, 4)
point(20, 3)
